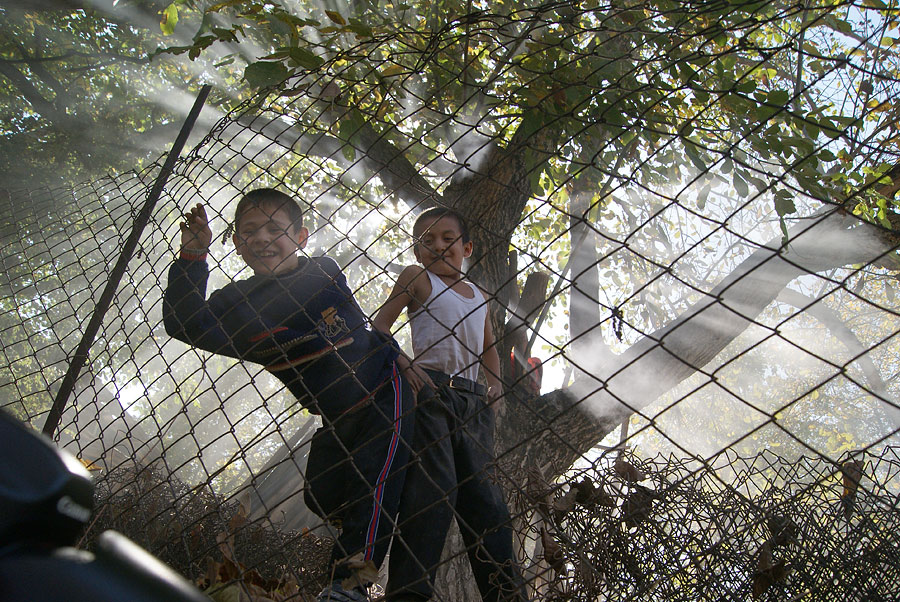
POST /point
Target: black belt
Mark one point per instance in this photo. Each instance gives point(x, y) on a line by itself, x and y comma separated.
point(456, 382)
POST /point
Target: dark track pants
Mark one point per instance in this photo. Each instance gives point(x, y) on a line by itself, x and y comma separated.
point(355, 473)
point(452, 474)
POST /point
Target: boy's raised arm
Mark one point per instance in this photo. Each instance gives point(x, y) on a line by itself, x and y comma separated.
point(187, 315)
point(196, 235)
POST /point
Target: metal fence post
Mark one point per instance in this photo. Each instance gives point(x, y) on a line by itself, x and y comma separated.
point(140, 222)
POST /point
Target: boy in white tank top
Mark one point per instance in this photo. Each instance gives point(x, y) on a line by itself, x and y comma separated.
point(454, 433)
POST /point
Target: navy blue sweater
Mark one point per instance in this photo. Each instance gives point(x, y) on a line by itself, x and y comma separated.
point(304, 326)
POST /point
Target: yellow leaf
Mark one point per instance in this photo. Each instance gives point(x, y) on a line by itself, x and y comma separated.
point(336, 17)
point(220, 5)
point(89, 464)
point(393, 70)
point(169, 19)
point(876, 105)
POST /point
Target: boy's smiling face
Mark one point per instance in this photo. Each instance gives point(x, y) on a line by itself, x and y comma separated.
point(440, 248)
point(268, 241)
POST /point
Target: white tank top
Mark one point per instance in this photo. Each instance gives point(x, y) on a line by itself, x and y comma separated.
point(448, 330)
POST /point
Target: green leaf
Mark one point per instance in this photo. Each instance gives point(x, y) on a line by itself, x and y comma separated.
point(759, 183)
point(265, 73)
point(838, 24)
point(804, 146)
point(747, 86)
point(351, 123)
point(779, 98)
point(169, 19)
point(226, 35)
point(279, 54)
point(765, 112)
point(826, 155)
point(830, 129)
point(615, 116)
point(687, 73)
point(784, 203)
point(532, 121)
point(740, 184)
point(691, 150)
point(201, 42)
point(360, 29)
point(534, 179)
point(304, 58)
point(737, 103)
point(774, 144)
point(703, 196)
point(174, 50)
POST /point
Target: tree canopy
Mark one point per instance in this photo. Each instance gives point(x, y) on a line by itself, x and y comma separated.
point(708, 187)
point(81, 94)
point(610, 144)
point(753, 88)
point(634, 122)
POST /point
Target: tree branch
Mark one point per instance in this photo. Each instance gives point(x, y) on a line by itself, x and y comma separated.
point(379, 156)
point(608, 393)
point(30, 93)
point(832, 321)
point(58, 89)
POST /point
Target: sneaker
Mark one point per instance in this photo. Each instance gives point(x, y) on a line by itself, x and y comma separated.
point(338, 593)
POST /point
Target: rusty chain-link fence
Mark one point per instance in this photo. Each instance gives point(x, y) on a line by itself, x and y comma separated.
point(698, 339)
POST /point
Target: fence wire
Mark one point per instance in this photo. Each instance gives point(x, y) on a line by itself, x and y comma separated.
point(700, 387)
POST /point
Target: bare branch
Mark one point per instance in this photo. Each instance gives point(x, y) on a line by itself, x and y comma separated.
point(609, 391)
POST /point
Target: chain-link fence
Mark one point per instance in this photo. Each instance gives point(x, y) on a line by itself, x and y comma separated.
point(697, 336)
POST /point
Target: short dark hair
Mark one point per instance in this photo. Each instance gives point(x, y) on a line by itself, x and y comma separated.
point(272, 199)
point(436, 213)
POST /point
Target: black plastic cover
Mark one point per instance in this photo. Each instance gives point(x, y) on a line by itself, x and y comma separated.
point(46, 495)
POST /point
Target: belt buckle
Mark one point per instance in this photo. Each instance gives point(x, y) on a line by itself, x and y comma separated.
point(456, 383)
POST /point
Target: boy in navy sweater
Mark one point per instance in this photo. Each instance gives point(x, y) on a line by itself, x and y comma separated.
point(297, 317)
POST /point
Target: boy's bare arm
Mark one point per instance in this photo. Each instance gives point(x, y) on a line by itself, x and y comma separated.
point(490, 362)
point(406, 294)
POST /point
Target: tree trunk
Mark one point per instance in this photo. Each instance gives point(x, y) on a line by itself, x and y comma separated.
point(584, 303)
